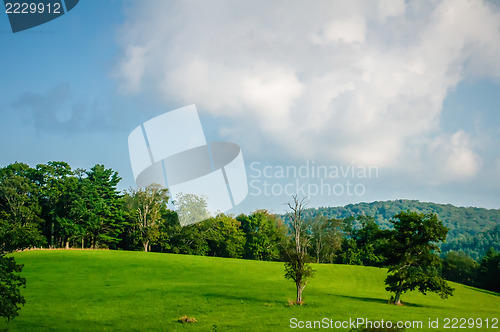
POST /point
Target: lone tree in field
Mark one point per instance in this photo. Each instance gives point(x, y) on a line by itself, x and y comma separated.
point(296, 256)
point(411, 252)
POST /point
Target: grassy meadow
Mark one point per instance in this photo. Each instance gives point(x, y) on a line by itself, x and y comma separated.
point(97, 290)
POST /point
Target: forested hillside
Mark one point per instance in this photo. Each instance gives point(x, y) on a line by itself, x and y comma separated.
point(471, 229)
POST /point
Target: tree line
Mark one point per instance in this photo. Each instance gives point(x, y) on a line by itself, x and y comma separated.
point(470, 229)
point(361, 241)
point(52, 205)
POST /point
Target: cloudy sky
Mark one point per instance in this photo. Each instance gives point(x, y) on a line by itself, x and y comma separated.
point(409, 87)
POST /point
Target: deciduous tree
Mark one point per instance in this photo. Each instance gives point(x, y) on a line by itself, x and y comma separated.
point(460, 267)
point(413, 262)
point(10, 285)
point(264, 233)
point(191, 208)
point(489, 271)
point(224, 236)
point(147, 204)
point(19, 221)
point(364, 242)
point(326, 238)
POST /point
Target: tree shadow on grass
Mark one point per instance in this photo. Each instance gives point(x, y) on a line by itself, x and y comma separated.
point(267, 302)
point(245, 298)
point(381, 301)
point(482, 290)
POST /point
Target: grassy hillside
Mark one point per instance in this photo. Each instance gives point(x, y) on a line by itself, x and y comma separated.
point(73, 290)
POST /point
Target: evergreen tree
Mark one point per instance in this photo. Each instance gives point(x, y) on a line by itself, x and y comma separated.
point(104, 214)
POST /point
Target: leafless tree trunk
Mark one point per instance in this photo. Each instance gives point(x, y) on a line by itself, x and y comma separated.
point(296, 266)
point(297, 224)
point(318, 247)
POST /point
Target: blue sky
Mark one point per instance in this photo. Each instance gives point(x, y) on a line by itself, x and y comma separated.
point(412, 88)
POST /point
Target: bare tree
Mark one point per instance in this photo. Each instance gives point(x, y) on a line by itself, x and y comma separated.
point(296, 256)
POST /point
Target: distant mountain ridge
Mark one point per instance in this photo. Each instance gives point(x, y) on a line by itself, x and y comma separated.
point(471, 229)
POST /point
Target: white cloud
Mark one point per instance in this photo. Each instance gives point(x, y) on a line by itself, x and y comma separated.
point(390, 8)
point(131, 68)
point(452, 158)
point(268, 91)
point(341, 30)
point(339, 81)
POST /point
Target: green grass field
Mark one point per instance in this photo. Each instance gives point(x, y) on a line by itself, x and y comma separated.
point(86, 290)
